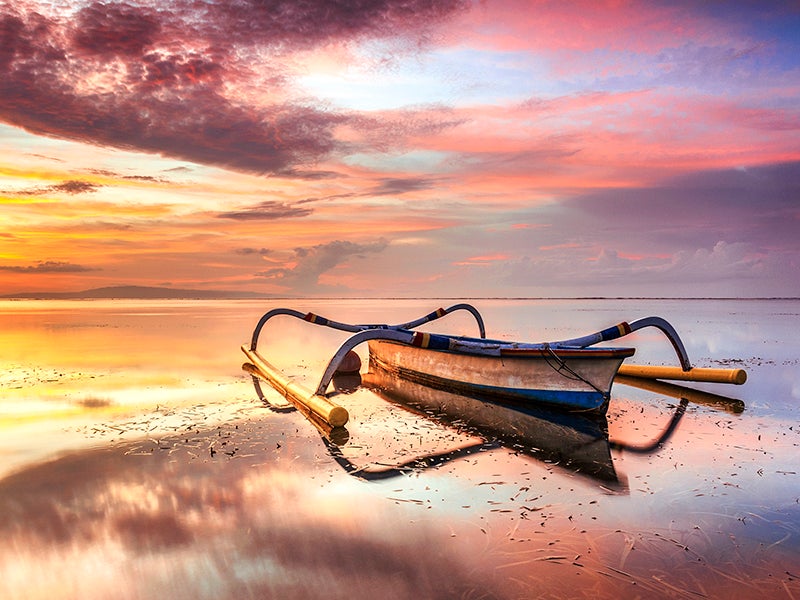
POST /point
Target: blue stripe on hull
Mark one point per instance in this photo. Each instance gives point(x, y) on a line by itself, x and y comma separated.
point(579, 400)
point(584, 398)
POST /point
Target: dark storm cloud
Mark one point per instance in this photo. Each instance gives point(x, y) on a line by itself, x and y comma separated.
point(138, 77)
point(303, 24)
point(48, 266)
point(114, 30)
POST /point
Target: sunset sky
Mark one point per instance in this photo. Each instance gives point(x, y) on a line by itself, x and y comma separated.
point(401, 148)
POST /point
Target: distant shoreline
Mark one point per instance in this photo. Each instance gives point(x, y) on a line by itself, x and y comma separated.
point(161, 293)
point(134, 292)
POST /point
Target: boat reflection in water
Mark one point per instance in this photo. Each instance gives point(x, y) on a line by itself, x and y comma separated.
point(574, 442)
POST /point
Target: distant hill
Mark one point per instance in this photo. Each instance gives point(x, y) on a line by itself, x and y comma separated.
point(130, 292)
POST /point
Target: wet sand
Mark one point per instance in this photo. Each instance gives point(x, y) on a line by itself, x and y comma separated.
point(160, 472)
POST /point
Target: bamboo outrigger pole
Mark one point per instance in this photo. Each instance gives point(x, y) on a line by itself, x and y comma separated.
point(305, 400)
point(734, 376)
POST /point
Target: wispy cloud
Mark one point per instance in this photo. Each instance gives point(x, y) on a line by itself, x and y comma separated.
point(253, 251)
point(310, 263)
point(267, 210)
point(48, 266)
point(397, 185)
point(72, 187)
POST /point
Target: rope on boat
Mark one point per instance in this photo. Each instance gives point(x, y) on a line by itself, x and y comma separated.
point(563, 366)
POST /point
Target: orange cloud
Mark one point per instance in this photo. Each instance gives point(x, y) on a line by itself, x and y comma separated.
point(481, 261)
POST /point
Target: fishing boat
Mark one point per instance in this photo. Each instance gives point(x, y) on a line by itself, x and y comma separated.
point(573, 443)
point(574, 374)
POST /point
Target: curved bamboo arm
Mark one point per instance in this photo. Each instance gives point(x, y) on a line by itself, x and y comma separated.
point(396, 335)
point(671, 334)
point(624, 328)
point(440, 312)
point(310, 317)
point(356, 328)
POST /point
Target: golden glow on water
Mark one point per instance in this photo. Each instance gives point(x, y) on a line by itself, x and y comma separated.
point(71, 367)
point(138, 462)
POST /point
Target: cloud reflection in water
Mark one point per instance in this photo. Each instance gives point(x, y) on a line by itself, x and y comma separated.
point(131, 523)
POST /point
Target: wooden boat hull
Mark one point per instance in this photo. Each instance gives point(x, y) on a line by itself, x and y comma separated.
point(577, 379)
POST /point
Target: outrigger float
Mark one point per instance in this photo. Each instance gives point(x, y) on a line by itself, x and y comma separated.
point(574, 374)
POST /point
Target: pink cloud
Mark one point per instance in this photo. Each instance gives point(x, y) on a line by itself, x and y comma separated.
point(483, 260)
point(611, 139)
point(588, 25)
point(180, 82)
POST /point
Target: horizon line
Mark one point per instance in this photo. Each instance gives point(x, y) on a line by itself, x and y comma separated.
point(138, 292)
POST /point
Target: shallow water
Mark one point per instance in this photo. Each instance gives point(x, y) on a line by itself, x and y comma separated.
point(137, 461)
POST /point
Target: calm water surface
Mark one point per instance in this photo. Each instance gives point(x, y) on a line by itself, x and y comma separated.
point(138, 461)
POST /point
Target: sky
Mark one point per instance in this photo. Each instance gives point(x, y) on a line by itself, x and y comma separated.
point(407, 148)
